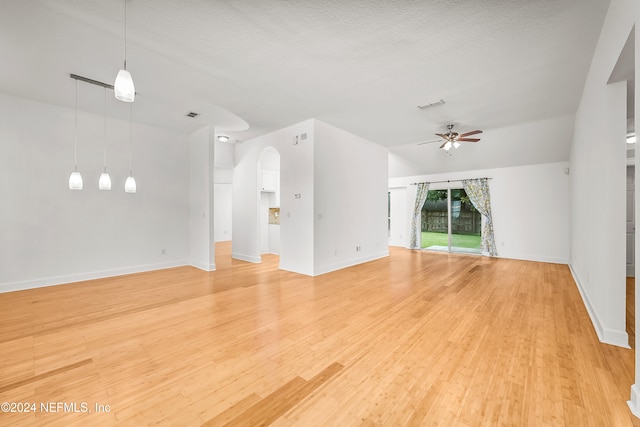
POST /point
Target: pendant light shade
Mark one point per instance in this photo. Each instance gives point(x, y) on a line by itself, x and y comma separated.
point(75, 179)
point(123, 87)
point(104, 183)
point(130, 185)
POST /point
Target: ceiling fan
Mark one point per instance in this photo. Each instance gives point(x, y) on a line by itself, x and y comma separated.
point(453, 139)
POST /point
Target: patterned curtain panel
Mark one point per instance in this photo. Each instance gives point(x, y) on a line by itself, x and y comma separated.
point(478, 192)
point(416, 230)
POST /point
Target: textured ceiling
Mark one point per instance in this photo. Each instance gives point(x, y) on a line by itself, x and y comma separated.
point(360, 65)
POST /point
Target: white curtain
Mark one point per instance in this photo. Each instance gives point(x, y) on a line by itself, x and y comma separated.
point(478, 192)
point(416, 229)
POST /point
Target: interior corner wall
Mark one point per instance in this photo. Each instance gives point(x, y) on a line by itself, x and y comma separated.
point(51, 235)
point(296, 200)
point(350, 199)
point(201, 199)
point(398, 218)
point(529, 205)
point(223, 202)
point(598, 166)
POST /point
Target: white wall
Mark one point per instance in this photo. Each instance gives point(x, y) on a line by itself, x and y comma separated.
point(296, 177)
point(598, 165)
point(201, 199)
point(399, 233)
point(598, 199)
point(341, 202)
point(350, 204)
point(224, 163)
point(50, 234)
point(529, 205)
point(598, 186)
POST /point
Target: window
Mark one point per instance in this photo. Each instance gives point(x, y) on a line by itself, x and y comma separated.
point(450, 223)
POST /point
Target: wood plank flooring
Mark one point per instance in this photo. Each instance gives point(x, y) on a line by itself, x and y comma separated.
point(414, 339)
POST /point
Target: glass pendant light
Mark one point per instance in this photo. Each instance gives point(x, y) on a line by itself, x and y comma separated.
point(104, 183)
point(130, 183)
point(75, 179)
point(123, 87)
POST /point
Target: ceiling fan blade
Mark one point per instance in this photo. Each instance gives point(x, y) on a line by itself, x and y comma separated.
point(473, 132)
point(468, 139)
point(441, 135)
point(445, 143)
point(429, 142)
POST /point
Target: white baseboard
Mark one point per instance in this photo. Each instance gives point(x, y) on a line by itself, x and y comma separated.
point(349, 263)
point(80, 277)
point(634, 402)
point(605, 335)
point(248, 258)
point(286, 267)
point(536, 258)
point(203, 266)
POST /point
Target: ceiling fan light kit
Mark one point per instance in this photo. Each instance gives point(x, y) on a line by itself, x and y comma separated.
point(453, 139)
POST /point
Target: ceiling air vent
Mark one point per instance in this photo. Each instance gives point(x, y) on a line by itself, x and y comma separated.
point(192, 114)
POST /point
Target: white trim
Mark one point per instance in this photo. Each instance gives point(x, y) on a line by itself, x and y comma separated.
point(349, 263)
point(605, 335)
point(536, 258)
point(203, 266)
point(80, 277)
point(634, 402)
point(248, 258)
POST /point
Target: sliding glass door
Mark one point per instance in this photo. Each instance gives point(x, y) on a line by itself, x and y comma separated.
point(450, 223)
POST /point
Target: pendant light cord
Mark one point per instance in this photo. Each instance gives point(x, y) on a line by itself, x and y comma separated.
point(105, 129)
point(75, 136)
point(125, 34)
point(131, 139)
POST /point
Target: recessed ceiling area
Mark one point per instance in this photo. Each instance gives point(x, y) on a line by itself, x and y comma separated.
point(254, 67)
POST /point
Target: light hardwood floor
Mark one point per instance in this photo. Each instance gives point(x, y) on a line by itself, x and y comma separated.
point(414, 339)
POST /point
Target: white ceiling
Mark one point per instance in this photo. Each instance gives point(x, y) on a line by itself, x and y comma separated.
point(360, 65)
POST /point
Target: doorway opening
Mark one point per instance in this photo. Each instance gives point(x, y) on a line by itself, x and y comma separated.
point(269, 202)
point(450, 222)
point(624, 71)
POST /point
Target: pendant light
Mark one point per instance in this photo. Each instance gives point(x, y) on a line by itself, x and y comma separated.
point(75, 179)
point(104, 183)
point(130, 183)
point(123, 86)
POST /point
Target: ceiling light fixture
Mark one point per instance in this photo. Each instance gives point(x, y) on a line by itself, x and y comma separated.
point(104, 183)
point(431, 105)
point(631, 138)
point(75, 179)
point(124, 88)
point(223, 138)
point(130, 183)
